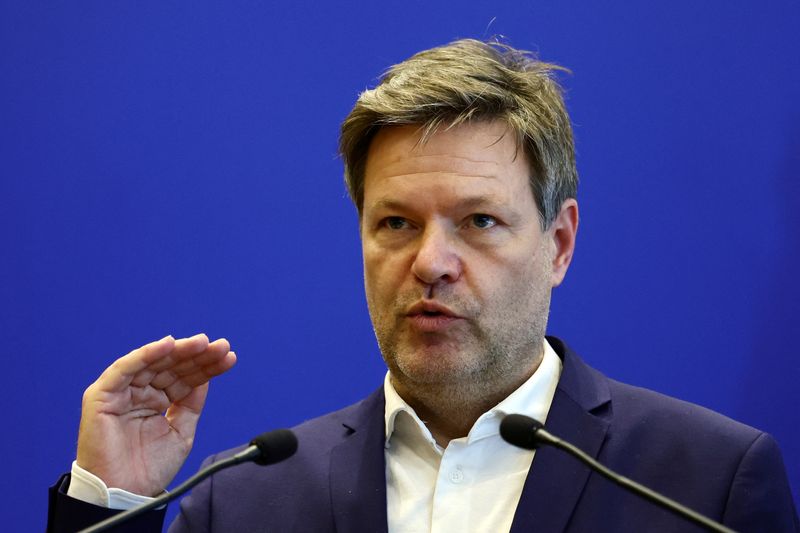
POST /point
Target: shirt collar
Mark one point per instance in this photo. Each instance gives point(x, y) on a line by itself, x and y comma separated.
point(532, 398)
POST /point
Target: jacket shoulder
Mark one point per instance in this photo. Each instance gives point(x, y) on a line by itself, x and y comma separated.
point(640, 411)
point(725, 469)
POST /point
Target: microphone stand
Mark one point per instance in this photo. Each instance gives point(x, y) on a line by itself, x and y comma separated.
point(525, 432)
point(265, 449)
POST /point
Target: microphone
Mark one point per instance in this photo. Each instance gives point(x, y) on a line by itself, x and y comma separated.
point(525, 432)
point(266, 449)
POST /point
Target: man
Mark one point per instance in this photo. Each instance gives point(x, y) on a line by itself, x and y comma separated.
point(461, 165)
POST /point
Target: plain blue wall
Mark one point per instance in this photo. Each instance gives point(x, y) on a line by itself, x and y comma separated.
point(170, 167)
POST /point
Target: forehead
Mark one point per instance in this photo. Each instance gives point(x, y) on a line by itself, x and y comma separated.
point(485, 148)
point(479, 157)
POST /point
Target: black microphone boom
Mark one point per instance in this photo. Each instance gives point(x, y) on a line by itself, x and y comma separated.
point(525, 432)
point(266, 449)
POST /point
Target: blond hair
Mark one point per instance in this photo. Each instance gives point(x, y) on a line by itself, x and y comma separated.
point(471, 80)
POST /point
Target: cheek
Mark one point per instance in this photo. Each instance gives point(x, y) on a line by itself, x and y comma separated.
point(512, 280)
point(385, 266)
point(373, 268)
point(379, 277)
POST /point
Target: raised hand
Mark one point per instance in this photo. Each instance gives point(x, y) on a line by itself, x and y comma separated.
point(138, 419)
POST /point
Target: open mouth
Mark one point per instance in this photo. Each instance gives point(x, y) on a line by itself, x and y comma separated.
point(432, 316)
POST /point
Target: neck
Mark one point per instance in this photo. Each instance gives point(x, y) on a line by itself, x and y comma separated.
point(450, 410)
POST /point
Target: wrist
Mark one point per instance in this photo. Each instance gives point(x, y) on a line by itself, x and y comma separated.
point(89, 488)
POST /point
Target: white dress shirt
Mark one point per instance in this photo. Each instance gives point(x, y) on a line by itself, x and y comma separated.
point(472, 485)
point(85, 486)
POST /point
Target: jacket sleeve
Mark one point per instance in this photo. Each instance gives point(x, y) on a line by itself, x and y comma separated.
point(65, 514)
point(760, 498)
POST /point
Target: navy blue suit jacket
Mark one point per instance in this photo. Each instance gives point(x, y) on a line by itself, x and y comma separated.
point(728, 471)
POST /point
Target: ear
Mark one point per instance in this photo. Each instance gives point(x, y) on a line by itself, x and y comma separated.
point(563, 231)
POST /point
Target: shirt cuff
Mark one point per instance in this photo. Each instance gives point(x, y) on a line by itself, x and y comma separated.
point(89, 488)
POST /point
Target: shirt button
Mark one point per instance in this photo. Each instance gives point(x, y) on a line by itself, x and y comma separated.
point(457, 476)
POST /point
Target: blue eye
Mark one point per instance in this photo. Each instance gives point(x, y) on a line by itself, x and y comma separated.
point(482, 221)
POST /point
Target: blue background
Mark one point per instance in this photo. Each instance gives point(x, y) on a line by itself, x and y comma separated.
point(170, 167)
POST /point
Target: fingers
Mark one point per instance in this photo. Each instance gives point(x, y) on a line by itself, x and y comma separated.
point(185, 362)
point(195, 369)
point(200, 375)
point(184, 349)
point(174, 366)
point(183, 415)
point(123, 371)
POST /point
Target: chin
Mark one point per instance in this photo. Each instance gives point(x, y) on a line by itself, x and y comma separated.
point(434, 366)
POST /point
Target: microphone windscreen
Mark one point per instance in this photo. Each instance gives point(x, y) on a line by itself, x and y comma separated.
point(275, 446)
point(520, 430)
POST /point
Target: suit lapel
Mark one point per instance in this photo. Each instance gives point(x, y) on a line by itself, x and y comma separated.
point(358, 472)
point(552, 488)
point(556, 480)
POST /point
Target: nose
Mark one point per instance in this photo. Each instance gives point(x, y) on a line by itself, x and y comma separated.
point(437, 260)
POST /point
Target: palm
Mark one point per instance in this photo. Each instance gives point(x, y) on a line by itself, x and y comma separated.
point(139, 417)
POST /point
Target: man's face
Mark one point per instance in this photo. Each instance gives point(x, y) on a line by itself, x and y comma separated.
point(458, 271)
